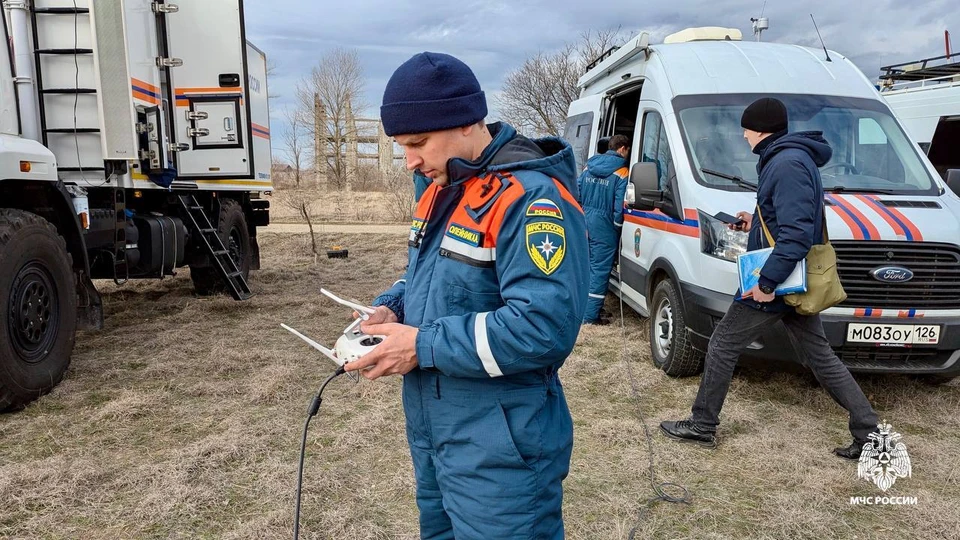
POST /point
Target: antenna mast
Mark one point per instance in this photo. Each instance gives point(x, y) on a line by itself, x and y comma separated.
point(760, 23)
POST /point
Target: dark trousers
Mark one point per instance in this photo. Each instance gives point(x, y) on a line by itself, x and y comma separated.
point(740, 327)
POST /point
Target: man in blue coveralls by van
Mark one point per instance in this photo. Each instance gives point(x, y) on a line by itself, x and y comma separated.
point(602, 187)
point(489, 308)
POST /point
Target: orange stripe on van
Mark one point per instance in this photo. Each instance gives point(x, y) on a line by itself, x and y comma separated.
point(145, 97)
point(145, 85)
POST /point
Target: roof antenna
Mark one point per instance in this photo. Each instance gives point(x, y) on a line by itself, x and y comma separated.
point(821, 38)
point(760, 23)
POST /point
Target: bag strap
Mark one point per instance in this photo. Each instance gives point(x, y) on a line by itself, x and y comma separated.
point(766, 231)
point(826, 237)
point(770, 241)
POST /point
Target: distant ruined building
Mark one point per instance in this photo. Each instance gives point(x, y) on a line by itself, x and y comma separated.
point(356, 132)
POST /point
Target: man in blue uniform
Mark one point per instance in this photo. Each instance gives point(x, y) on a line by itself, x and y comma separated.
point(602, 187)
point(488, 310)
point(420, 185)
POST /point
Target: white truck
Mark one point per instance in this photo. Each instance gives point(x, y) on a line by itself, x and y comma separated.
point(925, 95)
point(134, 139)
point(896, 229)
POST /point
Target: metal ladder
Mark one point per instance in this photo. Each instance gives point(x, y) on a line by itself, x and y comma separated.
point(76, 91)
point(219, 255)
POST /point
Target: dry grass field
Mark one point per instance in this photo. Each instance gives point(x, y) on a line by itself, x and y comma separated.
point(182, 419)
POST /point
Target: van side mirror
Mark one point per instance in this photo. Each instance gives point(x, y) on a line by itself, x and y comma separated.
point(645, 181)
point(953, 180)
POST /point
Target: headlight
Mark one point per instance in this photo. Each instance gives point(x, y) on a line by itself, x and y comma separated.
point(717, 240)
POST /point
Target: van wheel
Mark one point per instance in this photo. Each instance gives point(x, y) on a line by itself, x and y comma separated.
point(38, 299)
point(232, 229)
point(670, 345)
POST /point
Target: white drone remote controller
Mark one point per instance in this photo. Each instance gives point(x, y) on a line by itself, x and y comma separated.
point(353, 344)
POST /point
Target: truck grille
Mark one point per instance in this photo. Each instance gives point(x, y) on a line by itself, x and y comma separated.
point(935, 267)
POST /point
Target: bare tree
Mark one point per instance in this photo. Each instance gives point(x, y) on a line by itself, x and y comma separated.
point(294, 142)
point(400, 186)
point(299, 200)
point(537, 94)
point(333, 89)
point(271, 71)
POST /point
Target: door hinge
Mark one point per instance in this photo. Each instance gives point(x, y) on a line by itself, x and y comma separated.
point(178, 147)
point(197, 115)
point(198, 132)
point(157, 7)
point(169, 62)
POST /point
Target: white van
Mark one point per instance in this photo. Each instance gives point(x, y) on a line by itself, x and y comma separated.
point(925, 95)
point(894, 226)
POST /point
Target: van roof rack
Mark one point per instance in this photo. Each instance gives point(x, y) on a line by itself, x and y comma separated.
point(922, 70)
point(613, 58)
point(603, 56)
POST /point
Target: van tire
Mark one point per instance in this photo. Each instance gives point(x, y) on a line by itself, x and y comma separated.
point(233, 232)
point(38, 299)
point(670, 345)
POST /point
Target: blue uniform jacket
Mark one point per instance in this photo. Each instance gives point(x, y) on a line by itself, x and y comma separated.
point(420, 184)
point(603, 185)
point(497, 273)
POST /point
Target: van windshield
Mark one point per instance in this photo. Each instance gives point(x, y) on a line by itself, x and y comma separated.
point(871, 153)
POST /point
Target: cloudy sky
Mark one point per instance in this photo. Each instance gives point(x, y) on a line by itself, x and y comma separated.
point(494, 36)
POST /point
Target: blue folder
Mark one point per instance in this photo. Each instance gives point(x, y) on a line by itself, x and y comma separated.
point(750, 263)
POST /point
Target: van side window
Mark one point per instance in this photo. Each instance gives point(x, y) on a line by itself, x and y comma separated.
point(656, 149)
point(577, 133)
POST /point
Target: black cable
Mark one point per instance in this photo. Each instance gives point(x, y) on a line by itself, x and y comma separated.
point(314, 407)
point(658, 489)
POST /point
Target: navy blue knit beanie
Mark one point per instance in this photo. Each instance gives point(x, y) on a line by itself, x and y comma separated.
point(431, 92)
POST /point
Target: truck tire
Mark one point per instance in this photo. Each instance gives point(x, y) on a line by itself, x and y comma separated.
point(232, 229)
point(670, 346)
point(38, 297)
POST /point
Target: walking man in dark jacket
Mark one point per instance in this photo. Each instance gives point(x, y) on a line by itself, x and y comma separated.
point(790, 201)
point(602, 187)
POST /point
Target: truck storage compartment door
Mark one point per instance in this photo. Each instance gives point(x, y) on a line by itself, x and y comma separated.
point(206, 59)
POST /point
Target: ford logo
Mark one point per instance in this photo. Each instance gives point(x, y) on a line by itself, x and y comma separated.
point(892, 274)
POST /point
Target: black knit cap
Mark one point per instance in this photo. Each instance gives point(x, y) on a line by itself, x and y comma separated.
point(766, 115)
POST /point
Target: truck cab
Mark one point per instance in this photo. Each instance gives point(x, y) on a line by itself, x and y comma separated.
point(894, 226)
point(134, 140)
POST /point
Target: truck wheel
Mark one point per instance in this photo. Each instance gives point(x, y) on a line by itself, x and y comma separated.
point(38, 299)
point(232, 229)
point(670, 345)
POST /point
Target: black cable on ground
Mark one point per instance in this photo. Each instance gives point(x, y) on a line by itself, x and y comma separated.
point(660, 490)
point(314, 407)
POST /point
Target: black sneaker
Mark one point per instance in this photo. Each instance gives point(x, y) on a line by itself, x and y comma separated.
point(687, 431)
point(851, 452)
